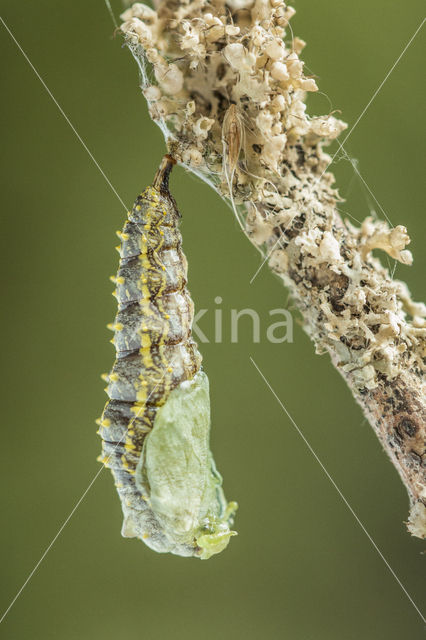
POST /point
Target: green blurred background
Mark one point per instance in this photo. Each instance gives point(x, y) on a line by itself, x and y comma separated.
point(301, 568)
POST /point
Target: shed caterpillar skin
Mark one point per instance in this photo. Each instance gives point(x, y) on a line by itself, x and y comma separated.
point(155, 426)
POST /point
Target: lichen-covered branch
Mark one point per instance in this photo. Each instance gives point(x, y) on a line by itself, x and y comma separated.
point(225, 82)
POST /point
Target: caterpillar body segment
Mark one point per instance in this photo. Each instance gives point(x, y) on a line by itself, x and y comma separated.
point(155, 427)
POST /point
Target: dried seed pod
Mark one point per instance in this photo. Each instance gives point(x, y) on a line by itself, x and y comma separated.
point(155, 426)
point(232, 136)
point(232, 141)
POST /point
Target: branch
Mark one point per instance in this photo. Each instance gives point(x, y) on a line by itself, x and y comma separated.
point(229, 94)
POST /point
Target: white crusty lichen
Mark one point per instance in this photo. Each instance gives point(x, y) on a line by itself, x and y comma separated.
point(225, 82)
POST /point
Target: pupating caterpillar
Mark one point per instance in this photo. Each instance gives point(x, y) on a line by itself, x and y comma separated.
point(155, 426)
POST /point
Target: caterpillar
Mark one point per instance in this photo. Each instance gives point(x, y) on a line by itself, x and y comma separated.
point(155, 426)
